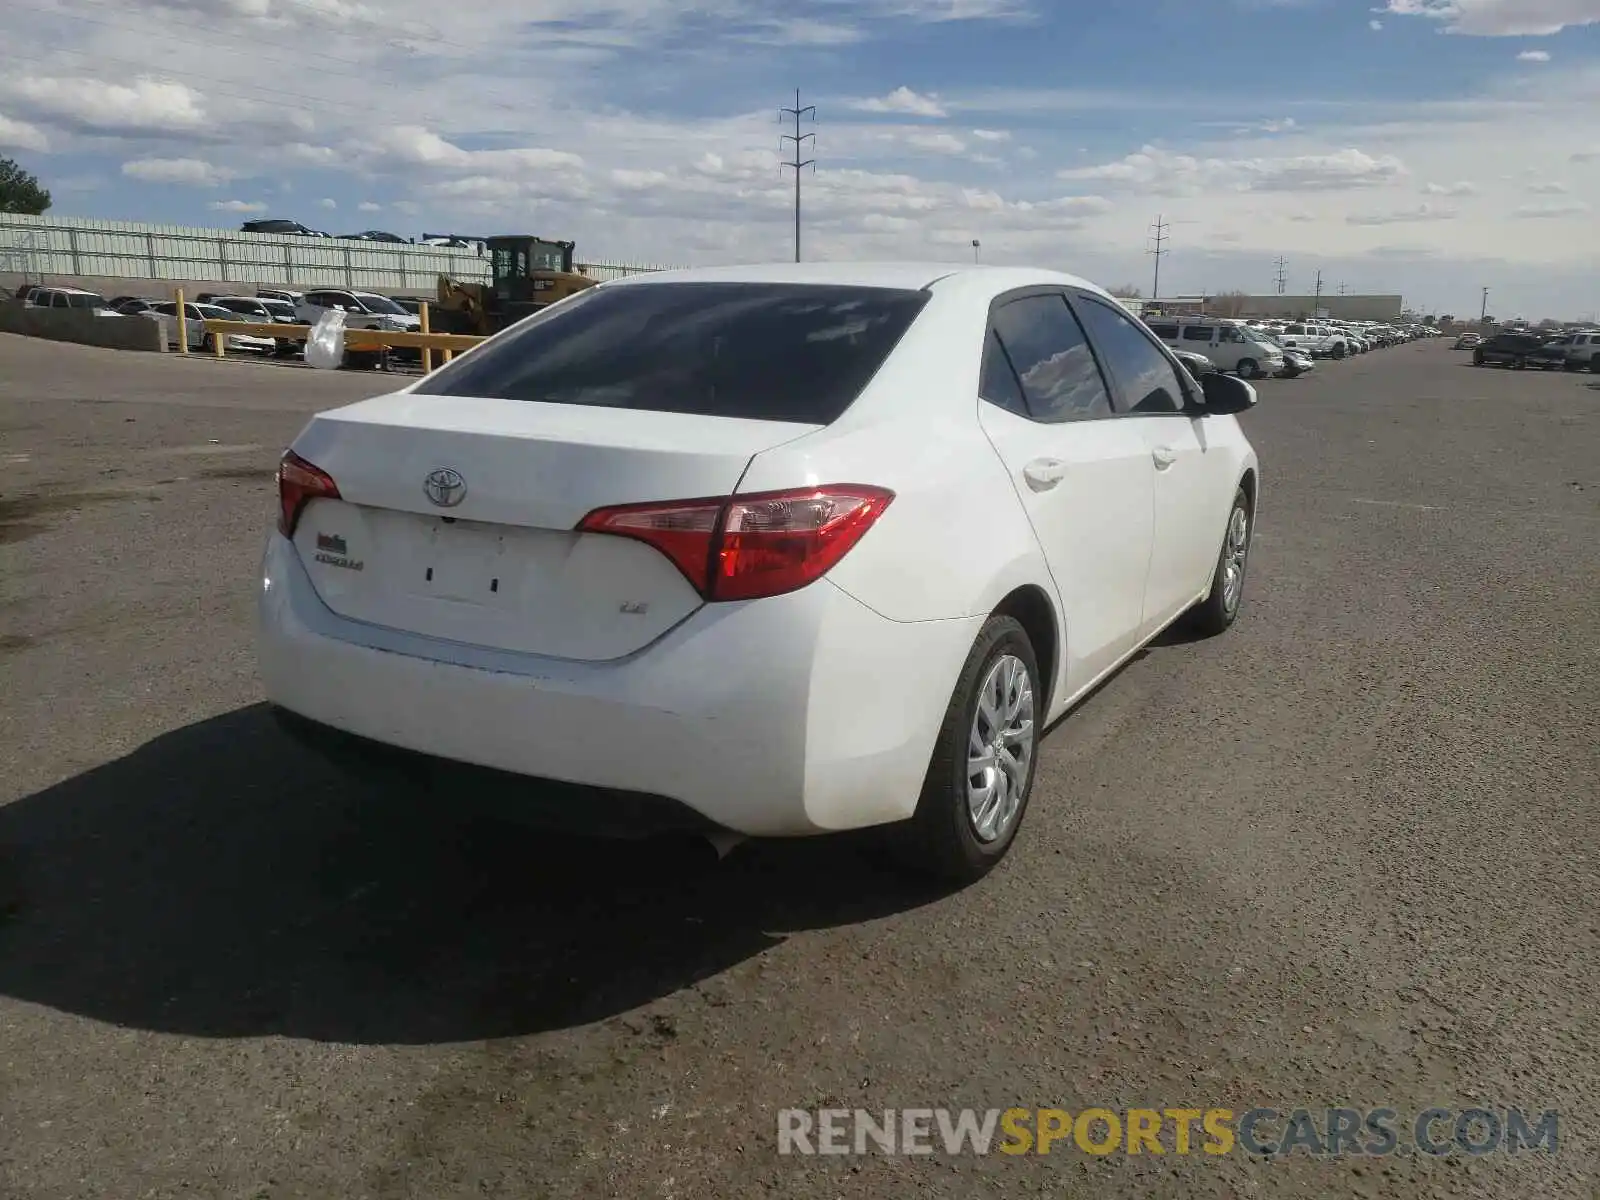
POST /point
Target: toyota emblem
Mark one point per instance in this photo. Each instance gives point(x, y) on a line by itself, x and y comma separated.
point(445, 487)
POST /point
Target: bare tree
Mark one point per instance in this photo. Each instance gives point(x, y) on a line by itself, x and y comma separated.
point(1127, 291)
point(1228, 304)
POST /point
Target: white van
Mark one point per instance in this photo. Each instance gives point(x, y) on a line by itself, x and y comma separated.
point(1232, 345)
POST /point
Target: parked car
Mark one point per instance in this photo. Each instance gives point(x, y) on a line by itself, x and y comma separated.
point(1196, 364)
point(276, 225)
point(856, 619)
point(132, 306)
point(363, 310)
point(1468, 341)
point(1319, 341)
point(271, 312)
point(1580, 350)
point(290, 297)
point(1231, 345)
point(198, 337)
point(375, 235)
point(1518, 350)
point(70, 297)
point(412, 304)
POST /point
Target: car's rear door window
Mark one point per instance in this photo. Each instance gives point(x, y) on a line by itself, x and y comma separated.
point(762, 351)
point(1057, 371)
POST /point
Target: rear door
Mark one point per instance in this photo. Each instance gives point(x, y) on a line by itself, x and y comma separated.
point(1085, 478)
point(1189, 476)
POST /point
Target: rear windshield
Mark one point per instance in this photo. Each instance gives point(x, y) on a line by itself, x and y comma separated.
point(770, 352)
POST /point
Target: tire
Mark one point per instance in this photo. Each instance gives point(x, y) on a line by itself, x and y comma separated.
point(1338, 351)
point(1477, 358)
point(1594, 365)
point(1248, 368)
point(1520, 363)
point(1219, 610)
point(208, 344)
point(942, 839)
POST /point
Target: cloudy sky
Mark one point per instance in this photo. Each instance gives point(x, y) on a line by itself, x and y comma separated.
point(1430, 147)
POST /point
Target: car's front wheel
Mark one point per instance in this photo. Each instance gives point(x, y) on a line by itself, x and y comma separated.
point(981, 775)
point(1220, 609)
point(1249, 369)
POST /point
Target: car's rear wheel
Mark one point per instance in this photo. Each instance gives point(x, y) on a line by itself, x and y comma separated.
point(1520, 363)
point(1339, 350)
point(1594, 364)
point(981, 775)
point(1220, 609)
point(1477, 358)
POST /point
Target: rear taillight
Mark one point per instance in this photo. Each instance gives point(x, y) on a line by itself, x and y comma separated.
point(299, 483)
point(745, 547)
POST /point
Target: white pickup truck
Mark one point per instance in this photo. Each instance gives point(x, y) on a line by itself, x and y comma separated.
point(1319, 341)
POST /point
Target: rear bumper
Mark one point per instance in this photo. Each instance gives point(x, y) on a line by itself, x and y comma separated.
point(793, 715)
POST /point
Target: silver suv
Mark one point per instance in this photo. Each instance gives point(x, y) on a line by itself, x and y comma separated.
point(1581, 350)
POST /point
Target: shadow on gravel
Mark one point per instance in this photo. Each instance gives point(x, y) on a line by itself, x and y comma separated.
point(220, 881)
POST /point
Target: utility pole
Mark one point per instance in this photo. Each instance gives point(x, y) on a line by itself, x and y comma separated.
point(1158, 234)
point(798, 164)
point(1341, 289)
point(1318, 303)
point(1483, 314)
point(1283, 274)
point(976, 246)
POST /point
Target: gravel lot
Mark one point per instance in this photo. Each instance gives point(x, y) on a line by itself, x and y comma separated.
point(1347, 854)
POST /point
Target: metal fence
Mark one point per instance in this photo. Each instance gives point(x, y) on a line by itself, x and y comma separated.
point(39, 247)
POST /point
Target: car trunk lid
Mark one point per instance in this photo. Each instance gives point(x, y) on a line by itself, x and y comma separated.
point(492, 558)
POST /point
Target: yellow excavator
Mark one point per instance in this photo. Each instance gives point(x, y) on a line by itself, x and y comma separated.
point(527, 273)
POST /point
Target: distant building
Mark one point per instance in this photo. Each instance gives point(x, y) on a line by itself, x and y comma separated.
point(1341, 308)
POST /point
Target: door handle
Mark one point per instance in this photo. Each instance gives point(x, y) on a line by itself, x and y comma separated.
point(1043, 474)
point(1165, 456)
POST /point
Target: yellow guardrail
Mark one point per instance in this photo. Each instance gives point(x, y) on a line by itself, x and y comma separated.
point(359, 340)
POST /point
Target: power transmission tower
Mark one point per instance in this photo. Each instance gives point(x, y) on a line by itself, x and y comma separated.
point(1283, 275)
point(1341, 289)
point(1158, 234)
point(798, 164)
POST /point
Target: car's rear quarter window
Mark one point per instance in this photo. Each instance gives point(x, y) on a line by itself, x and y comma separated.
point(773, 352)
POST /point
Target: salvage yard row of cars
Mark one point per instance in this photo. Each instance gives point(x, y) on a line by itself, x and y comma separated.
point(267, 306)
point(1554, 350)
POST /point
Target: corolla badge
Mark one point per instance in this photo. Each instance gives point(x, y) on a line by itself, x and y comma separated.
point(445, 487)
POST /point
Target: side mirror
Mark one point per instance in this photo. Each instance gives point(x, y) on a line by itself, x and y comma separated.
point(1226, 393)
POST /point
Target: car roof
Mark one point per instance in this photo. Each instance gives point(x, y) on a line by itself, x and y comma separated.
point(69, 291)
point(912, 276)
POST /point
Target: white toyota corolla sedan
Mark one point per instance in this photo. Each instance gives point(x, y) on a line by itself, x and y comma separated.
point(787, 549)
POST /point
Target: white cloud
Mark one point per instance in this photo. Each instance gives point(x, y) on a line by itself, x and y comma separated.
point(1548, 188)
point(237, 206)
point(327, 202)
point(190, 172)
point(368, 206)
point(1501, 18)
point(991, 135)
point(938, 143)
point(1374, 24)
point(1422, 212)
point(1162, 172)
point(1538, 56)
point(904, 101)
point(1460, 188)
point(148, 104)
point(1550, 210)
point(19, 135)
